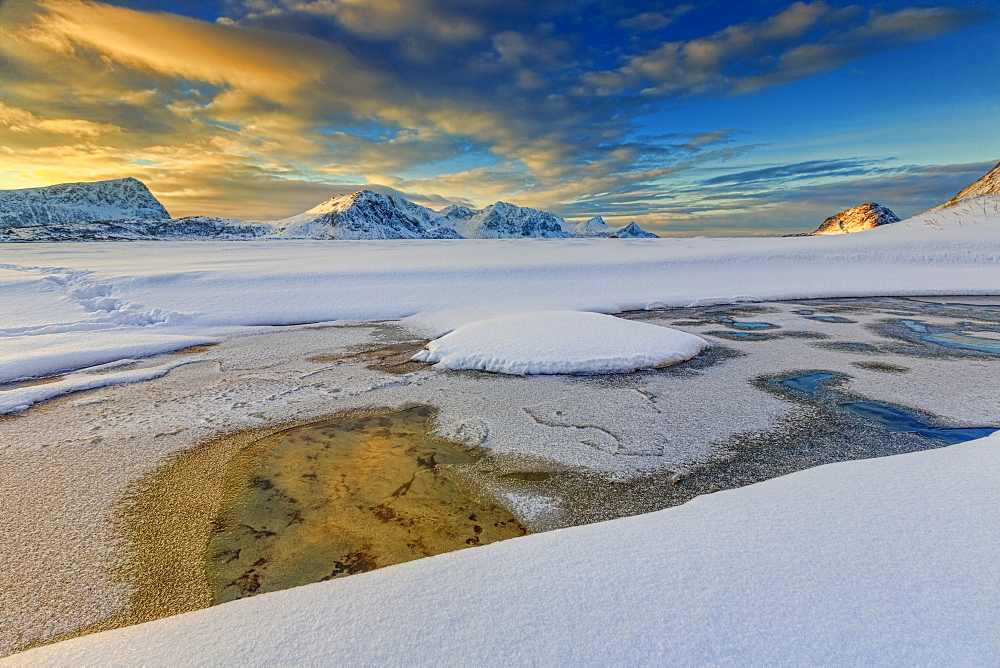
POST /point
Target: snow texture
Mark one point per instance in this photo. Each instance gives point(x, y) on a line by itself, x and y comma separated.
point(95, 298)
point(858, 219)
point(117, 199)
point(888, 561)
point(554, 342)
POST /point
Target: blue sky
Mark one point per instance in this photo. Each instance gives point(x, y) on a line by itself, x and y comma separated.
point(756, 117)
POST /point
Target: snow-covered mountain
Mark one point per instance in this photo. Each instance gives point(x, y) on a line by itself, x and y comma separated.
point(633, 231)
point(124, 209)
point(505, 221)
point(365, 215)
point(596, 227)
point(988, 185)
point(118, 199)
point(858, 219)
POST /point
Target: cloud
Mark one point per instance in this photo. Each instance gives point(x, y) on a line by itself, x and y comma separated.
point(801, 207)
point(811, 168)
point(652, 21)
point(804, 39)
point(536, 101)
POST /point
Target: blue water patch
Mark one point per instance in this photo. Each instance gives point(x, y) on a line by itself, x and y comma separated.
point(808, 382)
point(745, 325)
point(753, 325)
point(741, 336)
point(961, 340)
point(965, 341)
point(804, 311)
point(831, 318)
point(915, 326)
point(896, 420)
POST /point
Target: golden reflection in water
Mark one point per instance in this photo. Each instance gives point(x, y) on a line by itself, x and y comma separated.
point(344, 497)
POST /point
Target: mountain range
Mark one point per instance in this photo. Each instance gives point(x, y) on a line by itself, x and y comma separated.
point(124, 209)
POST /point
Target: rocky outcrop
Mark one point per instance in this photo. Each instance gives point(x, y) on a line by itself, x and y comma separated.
point(858, 219)
point(988, 185)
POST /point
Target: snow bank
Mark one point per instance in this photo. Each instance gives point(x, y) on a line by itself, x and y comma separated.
point(42, 354)
point(886, 561)
point(22, 398)
point(548, 342)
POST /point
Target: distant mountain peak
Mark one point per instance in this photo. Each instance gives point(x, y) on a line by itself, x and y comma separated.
point(633, 231)
point(596, 227)
point(503, 220)
point(364, 214)
point(857, 219)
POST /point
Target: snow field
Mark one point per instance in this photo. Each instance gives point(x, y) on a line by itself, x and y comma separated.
point(554, 342)
point(187, 288)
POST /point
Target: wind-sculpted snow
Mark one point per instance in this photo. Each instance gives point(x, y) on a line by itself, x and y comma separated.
point(555, 342)
point(119, 199)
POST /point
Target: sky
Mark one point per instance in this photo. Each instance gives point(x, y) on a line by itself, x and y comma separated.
point(689, 117)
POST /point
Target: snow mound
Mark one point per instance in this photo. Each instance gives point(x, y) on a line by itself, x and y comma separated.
point(552, 342)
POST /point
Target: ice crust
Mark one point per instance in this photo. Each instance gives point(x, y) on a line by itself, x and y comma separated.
point(887, 561)
point(554, 342)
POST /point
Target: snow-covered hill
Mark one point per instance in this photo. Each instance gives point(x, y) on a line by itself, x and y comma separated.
point(118, 199)
point(858, 219)
point(988, 185)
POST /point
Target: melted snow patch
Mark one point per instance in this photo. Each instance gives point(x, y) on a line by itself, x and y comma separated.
point(551, 342)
